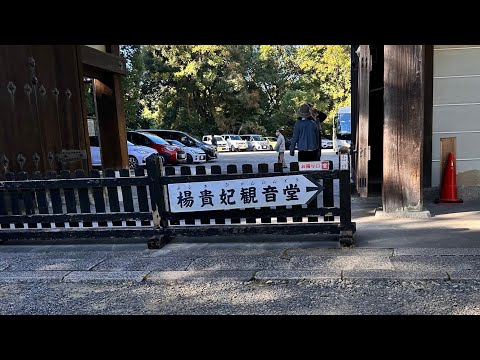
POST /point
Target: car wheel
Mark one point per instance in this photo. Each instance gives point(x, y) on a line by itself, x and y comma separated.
point(189, 159)
point(232, 149)
point(254, 148)
point(271, 147)
point(132, 162)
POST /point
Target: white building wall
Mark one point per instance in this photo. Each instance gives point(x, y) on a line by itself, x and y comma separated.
point(456, 109)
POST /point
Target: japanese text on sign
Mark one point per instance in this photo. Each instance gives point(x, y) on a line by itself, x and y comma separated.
point(242, 193)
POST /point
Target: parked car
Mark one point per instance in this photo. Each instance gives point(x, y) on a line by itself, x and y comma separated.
point(186, 139)
point(170, 154)
point(235, 142)
point(221, 143)
point(327, 143)
point(137, 155)
point(255, 142)
point(194, 155)
point(272, 141)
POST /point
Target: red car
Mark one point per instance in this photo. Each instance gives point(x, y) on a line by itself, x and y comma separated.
point(170, 154)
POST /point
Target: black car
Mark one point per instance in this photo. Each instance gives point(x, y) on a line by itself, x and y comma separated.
point(186, 139)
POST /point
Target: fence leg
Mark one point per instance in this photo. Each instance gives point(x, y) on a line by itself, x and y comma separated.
point(346, 234)
point(154, 171)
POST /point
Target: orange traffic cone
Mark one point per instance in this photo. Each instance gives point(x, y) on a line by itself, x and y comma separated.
point(449, 183)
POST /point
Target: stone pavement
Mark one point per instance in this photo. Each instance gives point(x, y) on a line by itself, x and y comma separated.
point(446, 246)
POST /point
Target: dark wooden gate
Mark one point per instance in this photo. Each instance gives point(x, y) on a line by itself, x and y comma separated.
point(42, 109)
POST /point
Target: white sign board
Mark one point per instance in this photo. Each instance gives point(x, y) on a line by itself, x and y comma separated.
point(344, 162)
point(242, 193)
point(313, 165)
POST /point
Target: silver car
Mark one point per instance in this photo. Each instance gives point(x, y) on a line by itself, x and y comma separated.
point(194, 155)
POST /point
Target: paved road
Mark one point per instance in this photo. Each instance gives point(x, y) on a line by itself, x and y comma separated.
point(279, 278)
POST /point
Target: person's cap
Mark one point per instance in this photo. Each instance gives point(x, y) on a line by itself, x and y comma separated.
point(304, 110)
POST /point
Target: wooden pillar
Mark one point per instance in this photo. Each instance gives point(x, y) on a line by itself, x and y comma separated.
point(363, 149)
point(403, 128)
point(111, 122)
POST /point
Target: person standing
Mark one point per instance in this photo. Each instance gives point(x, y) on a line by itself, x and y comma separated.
point(319, 118)
point(214, 141)
point(280, 148)
point(305, 135)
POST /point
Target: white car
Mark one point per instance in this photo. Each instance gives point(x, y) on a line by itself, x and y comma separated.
point(256, 142)
point(327, 143)
point(137, 155)
point(235, 142)
point(221, 143)
point(194, 155)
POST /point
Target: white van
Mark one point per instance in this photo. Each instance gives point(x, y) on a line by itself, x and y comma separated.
point(235, 142)
point(221, 143)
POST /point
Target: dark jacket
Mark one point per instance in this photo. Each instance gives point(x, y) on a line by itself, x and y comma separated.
point(305, 135)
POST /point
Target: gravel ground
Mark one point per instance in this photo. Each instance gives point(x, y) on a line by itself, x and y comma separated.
point(250, 297)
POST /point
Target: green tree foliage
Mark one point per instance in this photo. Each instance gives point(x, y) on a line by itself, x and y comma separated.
point(203, 89)
point(131, 85)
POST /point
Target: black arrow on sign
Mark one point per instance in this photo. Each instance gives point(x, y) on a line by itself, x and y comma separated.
point(318, 189)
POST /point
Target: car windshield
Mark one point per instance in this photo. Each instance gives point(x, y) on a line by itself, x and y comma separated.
point(257, 138)
point(156, 139)
point(175, 142)
point(129, 143)
point(235, 137)
point(218, 138)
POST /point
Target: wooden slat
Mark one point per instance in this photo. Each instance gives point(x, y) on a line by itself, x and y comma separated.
point(169, 170)
point(97, 194)
point(328, 197)
point(13, 195)
point(294, 167)
point(3, 207)
point(142, 192)
point(112, 193)
point(55, 198)
point(113, 196)
point(26, 194)
point(186, 171)
point(249, 229)
point(200, 170)
point(69, 194)
point(263, 169)
point(127, 192)
point(55, 195)
point(83, 194)
point(216, 170)
point(278, 168)
point(41, 195)
point(247, 169)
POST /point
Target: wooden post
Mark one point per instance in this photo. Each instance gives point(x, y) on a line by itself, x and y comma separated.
point(363, 149)
point(403, 128)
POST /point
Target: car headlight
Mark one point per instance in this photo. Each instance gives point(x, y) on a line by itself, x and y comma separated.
point(170, 148)
point(141, 151)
